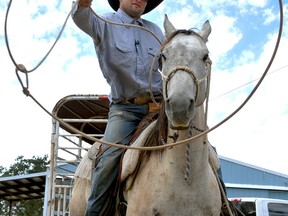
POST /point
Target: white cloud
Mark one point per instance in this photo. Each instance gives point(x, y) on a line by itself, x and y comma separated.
point(225, 35)
point(269, 16)
point(255, 3)
point(256, 133)
point(222, 4)
point(177, 18)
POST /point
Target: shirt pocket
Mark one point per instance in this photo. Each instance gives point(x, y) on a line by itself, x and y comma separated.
point(122, 56)
point(123, 47)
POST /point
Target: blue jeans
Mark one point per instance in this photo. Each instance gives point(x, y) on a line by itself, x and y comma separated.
point(123, 119)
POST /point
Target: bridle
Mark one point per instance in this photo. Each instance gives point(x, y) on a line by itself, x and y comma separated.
point(197, 82)
point(198, 100)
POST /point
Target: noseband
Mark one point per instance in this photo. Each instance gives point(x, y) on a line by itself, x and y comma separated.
point(196, 81)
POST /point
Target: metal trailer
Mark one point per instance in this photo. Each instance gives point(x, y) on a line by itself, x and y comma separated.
point(88, 114)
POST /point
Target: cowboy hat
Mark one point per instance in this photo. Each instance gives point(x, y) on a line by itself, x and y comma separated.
point(151, 4)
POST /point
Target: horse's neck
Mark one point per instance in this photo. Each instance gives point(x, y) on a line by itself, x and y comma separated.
point(198, 154)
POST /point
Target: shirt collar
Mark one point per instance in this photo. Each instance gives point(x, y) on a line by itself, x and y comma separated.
point(125, 18)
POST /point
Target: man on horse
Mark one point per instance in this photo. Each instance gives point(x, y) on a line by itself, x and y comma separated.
point(125, 55)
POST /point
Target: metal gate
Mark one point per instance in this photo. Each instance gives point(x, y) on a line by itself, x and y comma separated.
point(88, 114)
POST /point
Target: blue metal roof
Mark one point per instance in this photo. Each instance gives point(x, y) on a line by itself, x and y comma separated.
point(246, 180)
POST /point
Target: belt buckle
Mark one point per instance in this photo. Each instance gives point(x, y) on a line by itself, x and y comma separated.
point(141, 100)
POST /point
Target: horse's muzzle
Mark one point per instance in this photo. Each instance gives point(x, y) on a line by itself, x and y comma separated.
point(179, 121)
point(179, 113)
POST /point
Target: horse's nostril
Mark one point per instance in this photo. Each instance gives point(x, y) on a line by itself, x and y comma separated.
point(191, 104)
point(167, 102)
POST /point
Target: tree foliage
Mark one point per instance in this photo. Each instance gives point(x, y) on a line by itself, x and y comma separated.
point(24, 166)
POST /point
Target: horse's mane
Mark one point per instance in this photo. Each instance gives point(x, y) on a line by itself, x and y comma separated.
point(157, 136)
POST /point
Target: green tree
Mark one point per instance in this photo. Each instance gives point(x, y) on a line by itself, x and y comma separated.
point(24, 166)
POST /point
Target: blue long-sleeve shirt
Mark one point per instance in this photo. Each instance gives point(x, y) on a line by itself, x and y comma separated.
point(125, 54)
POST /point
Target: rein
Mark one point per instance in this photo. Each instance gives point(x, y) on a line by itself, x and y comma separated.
point(25, 90)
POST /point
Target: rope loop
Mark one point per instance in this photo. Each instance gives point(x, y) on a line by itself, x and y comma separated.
point(22, 68)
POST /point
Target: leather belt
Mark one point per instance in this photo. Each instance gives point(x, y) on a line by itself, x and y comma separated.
point(141, 100)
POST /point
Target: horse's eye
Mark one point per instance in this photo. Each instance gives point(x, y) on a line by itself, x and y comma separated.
point(205, 57)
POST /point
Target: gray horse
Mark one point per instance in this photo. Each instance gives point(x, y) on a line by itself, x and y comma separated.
point(160, 186)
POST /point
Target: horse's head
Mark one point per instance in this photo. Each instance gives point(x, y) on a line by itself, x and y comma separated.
point(184, 69)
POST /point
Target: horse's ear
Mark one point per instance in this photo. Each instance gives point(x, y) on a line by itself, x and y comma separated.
point(168, 26)
point(205, 31)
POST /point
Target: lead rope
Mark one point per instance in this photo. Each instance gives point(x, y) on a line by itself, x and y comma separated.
point(226, 203)
point(208, 68)
point(187, 174)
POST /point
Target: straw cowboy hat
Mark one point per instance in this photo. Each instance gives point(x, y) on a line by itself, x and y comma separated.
point(151, 4)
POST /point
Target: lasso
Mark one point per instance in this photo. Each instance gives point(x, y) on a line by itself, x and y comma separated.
point(21, 68)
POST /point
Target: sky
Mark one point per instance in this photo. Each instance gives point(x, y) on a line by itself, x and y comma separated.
point(243, 37)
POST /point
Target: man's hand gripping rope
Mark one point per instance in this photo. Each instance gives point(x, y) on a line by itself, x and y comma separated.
point(84, 3)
